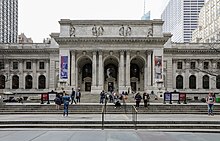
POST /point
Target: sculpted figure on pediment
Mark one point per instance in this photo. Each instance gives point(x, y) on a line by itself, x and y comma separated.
point(150, 32)
point(94, 30)
point(121, 31)
point(100, 31)
point(72, 31)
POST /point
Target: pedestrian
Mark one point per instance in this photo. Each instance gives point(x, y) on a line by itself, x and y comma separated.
point(138, 99)
point(210, 100)
point(146, 98)
point(66, 100)
point(57, 101)
point(102, 97)
point(73, 96)
point(78, 96)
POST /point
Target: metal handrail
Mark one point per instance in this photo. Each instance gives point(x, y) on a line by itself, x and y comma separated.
point(134, 116)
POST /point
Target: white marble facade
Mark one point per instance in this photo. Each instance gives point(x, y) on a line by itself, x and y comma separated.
point(120, 55)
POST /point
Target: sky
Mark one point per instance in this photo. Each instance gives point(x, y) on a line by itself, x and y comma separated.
point(39, 18)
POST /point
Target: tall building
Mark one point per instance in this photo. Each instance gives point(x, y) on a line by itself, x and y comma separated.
point(181, 18)
point(146, 15)
point(8, 21)
point(208, 29)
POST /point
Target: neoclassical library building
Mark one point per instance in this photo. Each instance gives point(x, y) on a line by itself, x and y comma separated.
point(110, 55)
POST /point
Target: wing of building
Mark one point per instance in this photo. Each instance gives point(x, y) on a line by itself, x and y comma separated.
point(118, 55)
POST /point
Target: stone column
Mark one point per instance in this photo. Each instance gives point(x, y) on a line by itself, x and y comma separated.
point(47, 66)
point(73, 69)
point(52, 76)
point(187, 66)
point(101, 72)
point(200, 76)
point(149, 64)
point(35, 79)
point(121, 70)
point(8, 75)
point(94, 69)
point(174, 73)
point(169, 76)
point(21, 76)
point(128, 62)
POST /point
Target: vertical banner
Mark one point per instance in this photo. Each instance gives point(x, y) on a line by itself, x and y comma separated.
point(64, 67)
point(158, 67)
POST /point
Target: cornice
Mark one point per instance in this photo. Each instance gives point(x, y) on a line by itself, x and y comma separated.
point(15, 51)
point(189, 51)
point(70, 40)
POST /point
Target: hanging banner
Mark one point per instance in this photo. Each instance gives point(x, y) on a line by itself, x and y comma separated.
point(64, 67)
point(158, 67)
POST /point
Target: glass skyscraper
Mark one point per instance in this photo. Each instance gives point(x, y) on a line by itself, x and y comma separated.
point(8, 21)
point(181, 18)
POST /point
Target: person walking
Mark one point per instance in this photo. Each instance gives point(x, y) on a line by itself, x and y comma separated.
point(57, 101)
point(210, 100)
point(146, 98)
point(66, 100)
point(102, 97)
point(73, 96)
point(138, 99)
point(78, 96)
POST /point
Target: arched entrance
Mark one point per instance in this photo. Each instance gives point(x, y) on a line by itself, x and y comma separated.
point(137, 74)
point(85, 74)
point(111, 74)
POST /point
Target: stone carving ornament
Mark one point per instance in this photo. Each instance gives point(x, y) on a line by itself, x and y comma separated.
point(72, 31)
point(150, 32)
point(97, 31)
point(125, 31)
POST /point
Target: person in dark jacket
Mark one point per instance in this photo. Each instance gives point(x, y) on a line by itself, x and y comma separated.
point(146, 98)
point(137, 99)
point(73, 96)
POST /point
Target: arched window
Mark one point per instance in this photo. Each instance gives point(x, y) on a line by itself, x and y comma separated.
point(192, 82)
point(205, 82)
point(28, 82)
point(41, 82)
point(15, 82)
point(218, 82)
point(2, 81)
point(179, 82)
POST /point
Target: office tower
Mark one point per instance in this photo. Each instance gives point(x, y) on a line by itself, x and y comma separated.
point(8, 21)
point(146, 15)
point(181, 18)
point(208, 30)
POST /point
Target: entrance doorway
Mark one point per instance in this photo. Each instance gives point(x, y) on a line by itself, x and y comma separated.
point(88, 86)
point(133, 87)
point(110, 86)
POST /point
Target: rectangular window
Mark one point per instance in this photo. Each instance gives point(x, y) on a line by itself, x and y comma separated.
point(28, 65)
point(2, 65)
point(41, 65)
point(206, 65)
point(218, 65)
point(15, 65)
point(192, 65)
point(179, 65)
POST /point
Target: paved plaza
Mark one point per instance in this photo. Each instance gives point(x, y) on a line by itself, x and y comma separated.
point(102, 135)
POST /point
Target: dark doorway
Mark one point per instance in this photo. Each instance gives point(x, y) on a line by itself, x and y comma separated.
point(133, 86)
point(110, 86)
point(88, 86)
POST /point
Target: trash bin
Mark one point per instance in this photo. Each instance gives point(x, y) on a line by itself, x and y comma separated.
point(217, 98)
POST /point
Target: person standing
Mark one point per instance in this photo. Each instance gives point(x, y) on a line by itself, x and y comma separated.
point(146, 98)
point(102, 97)
point(66, 100)
point(73, 96)
point(138, 99)
point(210, 100)
point(57, 101)
point(78, 96)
